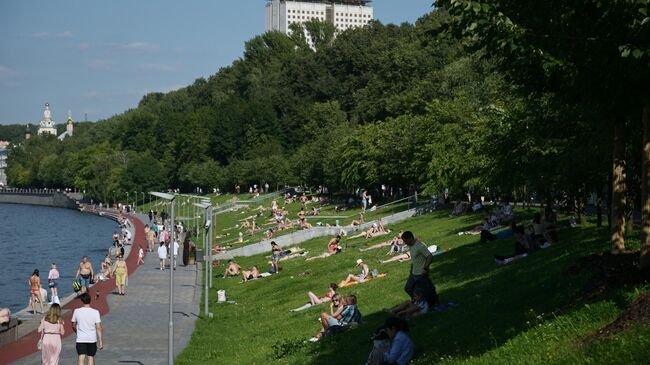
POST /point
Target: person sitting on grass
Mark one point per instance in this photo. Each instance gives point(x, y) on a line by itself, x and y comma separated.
point(346, 316)
point(250, 274)
point(315, 300)
point(485, 225)
point(524, 244)
point(332, 249)
point(233, 269)
point(396, 244)
point(402, 348)
point(411, 308)
point(380, 345)
point(365, 272)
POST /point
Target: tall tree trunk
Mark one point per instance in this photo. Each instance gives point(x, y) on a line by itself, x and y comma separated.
point(644, 263)
point(618, 189)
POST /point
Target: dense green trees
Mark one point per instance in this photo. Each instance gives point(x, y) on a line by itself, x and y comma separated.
point(510, 98)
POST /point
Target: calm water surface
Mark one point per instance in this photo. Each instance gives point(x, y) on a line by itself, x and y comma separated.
point(32, 237)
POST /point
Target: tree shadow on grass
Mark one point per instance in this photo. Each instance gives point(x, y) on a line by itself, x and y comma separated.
point(496, 302)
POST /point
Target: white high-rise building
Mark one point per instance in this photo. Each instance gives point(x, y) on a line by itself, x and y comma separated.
point(343, 14)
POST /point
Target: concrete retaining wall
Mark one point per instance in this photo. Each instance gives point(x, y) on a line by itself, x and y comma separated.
point(59, 200)
point(295, 238)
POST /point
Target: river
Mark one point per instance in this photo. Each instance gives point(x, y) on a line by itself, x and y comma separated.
point(33, 237)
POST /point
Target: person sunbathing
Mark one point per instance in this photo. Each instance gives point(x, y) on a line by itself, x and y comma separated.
point(524, 245)
point(485, 225)
point(315, 300)
point(411, 308)
point(251, 274)
point(358, 222)
point(233, 269)
point(393, 242)
point(407, 256)
point(365, 272)
point(332, 249)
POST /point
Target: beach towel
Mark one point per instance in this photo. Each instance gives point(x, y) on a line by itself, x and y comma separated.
point(344, 283)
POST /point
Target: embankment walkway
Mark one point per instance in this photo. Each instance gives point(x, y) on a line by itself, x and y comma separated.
point(135, 325)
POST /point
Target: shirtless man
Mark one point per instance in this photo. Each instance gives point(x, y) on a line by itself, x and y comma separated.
point(85, 273)
point(232, 269)
point(151, 239)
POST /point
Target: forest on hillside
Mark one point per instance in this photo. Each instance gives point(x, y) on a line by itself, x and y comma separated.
point(459, 101)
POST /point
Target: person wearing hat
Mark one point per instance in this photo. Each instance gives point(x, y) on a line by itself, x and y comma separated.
point(362, 276)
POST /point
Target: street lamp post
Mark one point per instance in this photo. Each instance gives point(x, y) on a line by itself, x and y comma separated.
point(170, 350)
point(207, 215)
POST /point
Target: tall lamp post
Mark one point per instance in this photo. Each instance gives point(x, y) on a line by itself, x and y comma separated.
point(208, 225)
point(170, 350)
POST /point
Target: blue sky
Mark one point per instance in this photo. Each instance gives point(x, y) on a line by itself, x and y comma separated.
point(101, 57)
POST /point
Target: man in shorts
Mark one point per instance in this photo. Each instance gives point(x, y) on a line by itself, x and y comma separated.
point(87, 324)
point(85, 273)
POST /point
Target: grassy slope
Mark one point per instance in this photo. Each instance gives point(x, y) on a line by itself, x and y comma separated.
point(507, 314)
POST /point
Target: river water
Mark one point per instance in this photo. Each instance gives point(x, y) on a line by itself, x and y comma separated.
point(32, 237)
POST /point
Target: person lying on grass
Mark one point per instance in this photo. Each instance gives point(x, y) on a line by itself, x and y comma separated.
point(332, 249)
point(233, 269)
point(411, 308)
point(250, 274)
point(315, 300)
point(347, 315)
point(488, 236)
point(407, 256)
point(396, 245)
point(485, 225)
point(524, 245)
point(365, 271)
point(377, 229)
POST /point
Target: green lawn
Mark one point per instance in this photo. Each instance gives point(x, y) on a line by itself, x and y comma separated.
point(518, 313)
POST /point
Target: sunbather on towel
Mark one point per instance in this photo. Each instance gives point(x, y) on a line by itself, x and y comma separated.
point(411, 308)
point(251, 274)
point(365, 271)
point(407, 256)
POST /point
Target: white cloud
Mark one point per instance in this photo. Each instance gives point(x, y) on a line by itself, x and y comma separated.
point(6, 72)
point(156, 67)
point(64, 34)
point(99, 64)
point(140, 46)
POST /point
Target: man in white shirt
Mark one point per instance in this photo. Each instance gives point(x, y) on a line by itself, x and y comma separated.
point(87, 324)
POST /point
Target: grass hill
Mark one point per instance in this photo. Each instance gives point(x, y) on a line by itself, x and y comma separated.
point(528, 312)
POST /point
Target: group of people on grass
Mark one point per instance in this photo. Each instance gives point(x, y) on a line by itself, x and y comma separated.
point(540, 234)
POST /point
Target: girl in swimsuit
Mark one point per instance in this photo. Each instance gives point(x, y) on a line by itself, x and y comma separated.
point(35, 284)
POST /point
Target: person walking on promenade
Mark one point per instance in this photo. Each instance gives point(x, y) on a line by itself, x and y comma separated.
point(85, 273)
point(419, 274)
point(87, 324)
point(151, 237)
point(162, 254)
point(52, 282)
point(140, 256)
point(35, 286)
point(121, 272)
point(51, 330)
point(174, 254)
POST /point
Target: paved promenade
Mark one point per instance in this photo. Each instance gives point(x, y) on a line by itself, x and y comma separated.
point(136, 325)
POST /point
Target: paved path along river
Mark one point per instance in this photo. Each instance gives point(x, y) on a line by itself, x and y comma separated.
point(136, 326)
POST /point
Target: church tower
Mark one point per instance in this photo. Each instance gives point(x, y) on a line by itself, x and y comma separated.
point(69, 126)
point(47, 124)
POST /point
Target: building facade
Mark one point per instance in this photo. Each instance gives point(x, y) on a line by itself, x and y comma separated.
point(3, 163)
point(343, 14)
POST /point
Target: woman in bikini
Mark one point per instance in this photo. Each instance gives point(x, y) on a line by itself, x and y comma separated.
point(35, 294)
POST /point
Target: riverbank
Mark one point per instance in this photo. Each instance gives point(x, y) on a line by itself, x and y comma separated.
point(135, 325)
